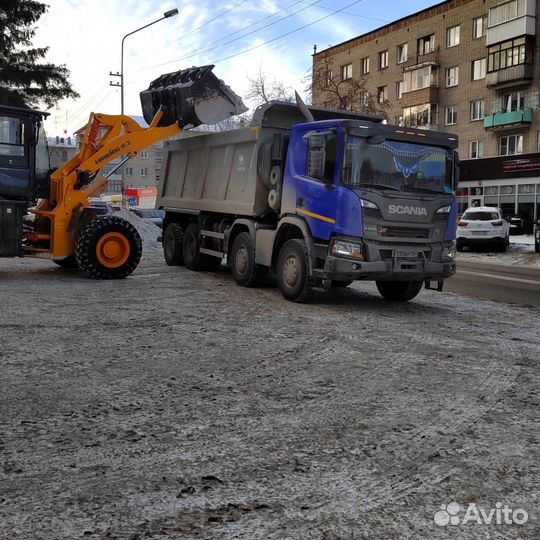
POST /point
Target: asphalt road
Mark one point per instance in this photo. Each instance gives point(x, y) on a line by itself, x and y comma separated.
point(511, 284)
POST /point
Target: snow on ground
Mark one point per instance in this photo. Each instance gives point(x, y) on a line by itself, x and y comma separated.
point(520, 252)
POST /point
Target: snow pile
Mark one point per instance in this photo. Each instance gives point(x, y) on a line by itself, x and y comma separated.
point(149, 231)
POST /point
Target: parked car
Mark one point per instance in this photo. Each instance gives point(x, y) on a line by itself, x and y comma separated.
point(483, 225)
point(516, 224)
point(103, 208)
point(151, 214)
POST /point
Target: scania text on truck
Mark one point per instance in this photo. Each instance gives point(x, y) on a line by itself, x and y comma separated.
point(319, 197)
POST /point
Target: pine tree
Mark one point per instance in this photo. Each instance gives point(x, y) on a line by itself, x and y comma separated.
point(24, 81)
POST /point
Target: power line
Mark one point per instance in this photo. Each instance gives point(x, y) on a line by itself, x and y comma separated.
point(207, 49)
point(334, 12)
point(198, 27)
point(353, 14)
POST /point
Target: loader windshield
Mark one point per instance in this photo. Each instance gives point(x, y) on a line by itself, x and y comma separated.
point(397, 165)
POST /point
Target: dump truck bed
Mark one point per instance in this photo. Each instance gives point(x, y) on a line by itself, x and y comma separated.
point(213, 172)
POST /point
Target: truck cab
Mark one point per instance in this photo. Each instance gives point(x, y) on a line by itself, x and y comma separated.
point(378, 198)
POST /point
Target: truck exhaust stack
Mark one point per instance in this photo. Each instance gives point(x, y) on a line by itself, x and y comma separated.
point(190, 97)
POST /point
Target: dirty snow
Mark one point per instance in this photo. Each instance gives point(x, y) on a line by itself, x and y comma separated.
point(176, 405)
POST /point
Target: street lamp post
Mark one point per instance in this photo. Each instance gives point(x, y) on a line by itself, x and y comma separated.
point(166, 15)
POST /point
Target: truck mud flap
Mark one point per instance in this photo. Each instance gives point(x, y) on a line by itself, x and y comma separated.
point(439, 287)
point(191, 97)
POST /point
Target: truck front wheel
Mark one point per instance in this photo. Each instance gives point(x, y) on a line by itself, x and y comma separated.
point(293, 271)
point(173, 246)
point(108, 248)
point(242, 259)
point(399, 291)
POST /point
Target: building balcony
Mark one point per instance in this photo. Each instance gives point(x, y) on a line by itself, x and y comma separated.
point(522, 26)
point(510, 76)
point(419, 60)
point(509, 120)
point(418, 97)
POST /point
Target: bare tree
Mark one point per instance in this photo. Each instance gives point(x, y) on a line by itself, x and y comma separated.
point(262, 90)
point(330, 90)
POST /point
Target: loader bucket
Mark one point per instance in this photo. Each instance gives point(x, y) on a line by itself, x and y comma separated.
point(190, 97)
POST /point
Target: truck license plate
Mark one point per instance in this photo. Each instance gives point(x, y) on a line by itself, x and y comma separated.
point(406, 254)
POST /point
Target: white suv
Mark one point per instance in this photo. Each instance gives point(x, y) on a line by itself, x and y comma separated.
point(483, 225)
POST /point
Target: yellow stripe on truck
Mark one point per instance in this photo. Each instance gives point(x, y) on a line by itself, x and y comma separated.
point(313, 215)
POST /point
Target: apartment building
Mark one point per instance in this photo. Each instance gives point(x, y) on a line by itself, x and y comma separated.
point(61, 150)
point(469, 67)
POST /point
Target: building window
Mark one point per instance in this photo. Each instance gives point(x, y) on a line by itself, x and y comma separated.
point(399, 89)
point(420, 116)
point(513, 144)
point(346, 72)
point(452, 36)
point(417, 79)
point(382, 94)
point(508, 54)
point(402, 52)
point(479, 27)
point(143, 154)
point(365, 65)
point(478, 109)
point(144, 172)
point(383, 59)
point(364, 99)
point(479, 69)
point(64, 156)
point(507, 12)
point(476, 149)
point(513, 101)
point(329, 77)
point(450, 115)
point(129, 171)
point(452, 76)
point(426, 44)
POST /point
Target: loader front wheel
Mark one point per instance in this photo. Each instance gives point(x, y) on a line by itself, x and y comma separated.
point(108, 248)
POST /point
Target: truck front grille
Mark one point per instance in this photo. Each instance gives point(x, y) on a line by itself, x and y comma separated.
point(402, 232)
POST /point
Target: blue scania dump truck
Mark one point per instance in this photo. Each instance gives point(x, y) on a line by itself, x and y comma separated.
point(318, 197)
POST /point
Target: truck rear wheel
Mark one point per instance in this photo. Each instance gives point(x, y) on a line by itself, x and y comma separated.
point(293, 271)
point(244, 270)
point(108, 248)
point(193, 258)
point(399, 291)
point(173, 245)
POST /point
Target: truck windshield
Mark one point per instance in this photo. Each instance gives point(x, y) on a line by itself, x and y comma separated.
point(397, 165)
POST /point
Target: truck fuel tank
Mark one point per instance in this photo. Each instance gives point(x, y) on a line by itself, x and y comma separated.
point(191, 97)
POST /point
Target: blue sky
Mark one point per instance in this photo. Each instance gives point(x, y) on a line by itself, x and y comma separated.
point(240, 36)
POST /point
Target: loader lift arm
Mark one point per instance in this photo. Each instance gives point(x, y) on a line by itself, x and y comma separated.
point(106, 138)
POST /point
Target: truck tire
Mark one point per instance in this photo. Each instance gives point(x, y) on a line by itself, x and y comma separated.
point(108, 248)
point(243, 268)
point(67, 263)
point(537, 246)
point(191, 245)
point(293, 271)
point(399, 291)
point(173, 245)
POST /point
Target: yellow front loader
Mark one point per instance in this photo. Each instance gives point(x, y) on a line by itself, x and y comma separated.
point(66, 228)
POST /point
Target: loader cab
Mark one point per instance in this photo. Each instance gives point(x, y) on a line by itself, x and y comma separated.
point(23, 152)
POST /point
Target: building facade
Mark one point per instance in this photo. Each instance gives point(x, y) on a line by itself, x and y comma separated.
point(61, 150)
point(469, 67)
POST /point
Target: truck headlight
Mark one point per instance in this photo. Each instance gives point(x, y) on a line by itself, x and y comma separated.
point(448, 253)
point(345, 248)
point(368, 204)
point(444, 210)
